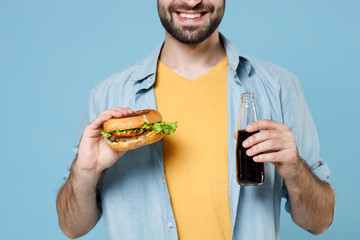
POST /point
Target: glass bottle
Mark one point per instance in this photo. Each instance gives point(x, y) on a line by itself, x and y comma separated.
point(248, 172)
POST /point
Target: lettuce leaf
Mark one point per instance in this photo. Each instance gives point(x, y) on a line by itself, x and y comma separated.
point(106, 134)
point(128, 131)
point(166, 127)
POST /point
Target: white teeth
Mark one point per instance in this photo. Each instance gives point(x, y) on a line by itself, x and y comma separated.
point(190, 15)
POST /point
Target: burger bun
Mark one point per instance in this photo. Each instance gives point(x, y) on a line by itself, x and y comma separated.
point(133, 120)
point(135, 143)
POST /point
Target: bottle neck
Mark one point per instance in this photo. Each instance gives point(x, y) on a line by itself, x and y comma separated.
point(247, 110)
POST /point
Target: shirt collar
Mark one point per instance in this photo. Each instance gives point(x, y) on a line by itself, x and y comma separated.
point(146, 67)
point(236, 59)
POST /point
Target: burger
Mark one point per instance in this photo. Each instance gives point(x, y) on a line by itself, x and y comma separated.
point(135, 130)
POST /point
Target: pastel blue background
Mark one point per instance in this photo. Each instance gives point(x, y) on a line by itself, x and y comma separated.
point(53, 52)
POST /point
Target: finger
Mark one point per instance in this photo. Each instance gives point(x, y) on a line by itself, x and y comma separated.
point(236, 135)
point(108, 114)
point(128, 110)
point(272, 157)
point(261, 137)
point(98, 121)
point(286, 157)
point(272, 145)
point(265, 125)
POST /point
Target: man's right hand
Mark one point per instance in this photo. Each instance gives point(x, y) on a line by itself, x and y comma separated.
point(94, 154)
point(76, 201)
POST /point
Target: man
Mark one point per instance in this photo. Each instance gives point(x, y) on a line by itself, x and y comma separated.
point(185, 186)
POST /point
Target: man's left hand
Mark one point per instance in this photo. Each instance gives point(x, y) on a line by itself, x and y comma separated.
point(311, 200)
point(276, 145)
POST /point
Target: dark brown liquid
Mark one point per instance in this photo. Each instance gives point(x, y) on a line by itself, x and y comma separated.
point(247, 171)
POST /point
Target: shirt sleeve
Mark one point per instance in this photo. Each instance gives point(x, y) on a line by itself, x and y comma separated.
point(297, 117)
point(86, 116)
point(88, 113)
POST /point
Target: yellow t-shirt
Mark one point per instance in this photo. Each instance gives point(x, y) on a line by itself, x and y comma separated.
point(195, 156)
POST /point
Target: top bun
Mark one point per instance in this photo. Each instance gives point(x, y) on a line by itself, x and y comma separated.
point(133, 120)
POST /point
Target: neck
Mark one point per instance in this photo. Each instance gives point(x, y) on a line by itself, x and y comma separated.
point(192, 60)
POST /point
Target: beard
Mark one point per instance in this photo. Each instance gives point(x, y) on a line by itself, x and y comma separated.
point(190, 34)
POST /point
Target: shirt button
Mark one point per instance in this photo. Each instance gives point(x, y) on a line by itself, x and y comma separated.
point(163, 180)
point(170, 225)
point(149, 79)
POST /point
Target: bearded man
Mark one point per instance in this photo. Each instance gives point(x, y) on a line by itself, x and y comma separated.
point(184, 187)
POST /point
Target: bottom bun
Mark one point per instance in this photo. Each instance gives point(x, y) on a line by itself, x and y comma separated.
point(136, 143)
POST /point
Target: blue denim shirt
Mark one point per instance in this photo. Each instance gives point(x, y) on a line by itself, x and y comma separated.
point(133, 195)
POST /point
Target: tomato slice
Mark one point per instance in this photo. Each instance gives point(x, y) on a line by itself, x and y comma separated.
point(127, 135)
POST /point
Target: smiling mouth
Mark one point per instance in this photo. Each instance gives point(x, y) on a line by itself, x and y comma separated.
point(190, 15)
